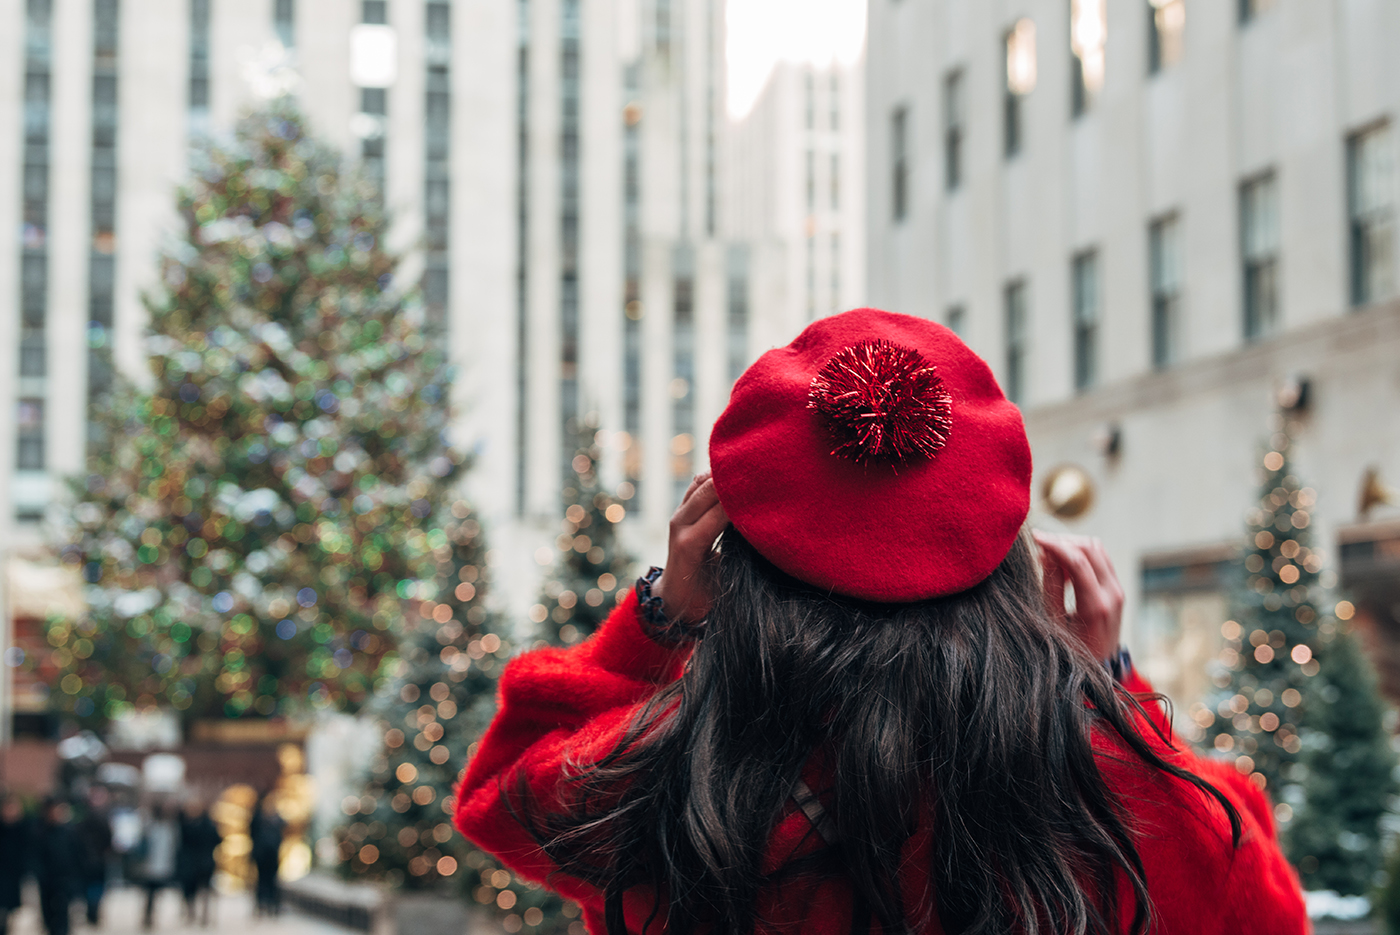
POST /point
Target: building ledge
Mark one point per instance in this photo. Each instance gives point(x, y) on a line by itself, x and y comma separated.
point(1283, 355)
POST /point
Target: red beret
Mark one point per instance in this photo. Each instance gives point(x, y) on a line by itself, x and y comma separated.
point(875, 457)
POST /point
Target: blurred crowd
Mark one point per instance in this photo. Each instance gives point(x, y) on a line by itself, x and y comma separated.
point(76, 849)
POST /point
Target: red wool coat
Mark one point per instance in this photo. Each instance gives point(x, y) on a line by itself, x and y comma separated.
point(560, 705)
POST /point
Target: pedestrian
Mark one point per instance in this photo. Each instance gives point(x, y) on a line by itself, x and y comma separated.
point(870, 709)
point(199, 838)
point(17, 845)
point(160, 842)
point(266, 831)
point(95, 837)
point(58, 866)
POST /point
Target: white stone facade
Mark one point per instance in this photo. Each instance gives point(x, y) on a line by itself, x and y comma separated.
point(1231, 205)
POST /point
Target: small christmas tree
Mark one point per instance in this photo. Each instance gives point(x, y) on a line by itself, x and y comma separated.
point(442, 696)
point(1300, 711)
point(591, 568)
point(1272, 636)
point(1347, 779)
point(399, 830)
point(258, 519)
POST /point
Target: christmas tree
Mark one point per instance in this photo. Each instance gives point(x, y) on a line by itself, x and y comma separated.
point(1346, 770)
point(438, 702)
point(258, 521)
point(441, 698)
point(1272, 636)
point(1300, 710)
point(591, 569)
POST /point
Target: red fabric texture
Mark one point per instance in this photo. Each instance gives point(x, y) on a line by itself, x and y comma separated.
point(876, 531)
point(562, 706)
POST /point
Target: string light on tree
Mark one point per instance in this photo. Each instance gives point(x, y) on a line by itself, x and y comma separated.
point(1285, 649)
point(590, 569)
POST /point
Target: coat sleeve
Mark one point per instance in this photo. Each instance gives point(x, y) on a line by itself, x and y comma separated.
point(1257, 890)
point(558, 708)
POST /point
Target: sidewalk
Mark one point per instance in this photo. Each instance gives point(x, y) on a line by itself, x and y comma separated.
point(121, 915)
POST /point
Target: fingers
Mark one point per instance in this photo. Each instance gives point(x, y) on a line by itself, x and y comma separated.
point(697, 502)
point(708, 527)
point(1103, 570)
point(1089, 597)
point(695, 482)
point(1054, 584)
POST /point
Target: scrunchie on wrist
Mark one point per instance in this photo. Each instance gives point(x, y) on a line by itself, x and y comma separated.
point(651, 610)
point(1119, 664)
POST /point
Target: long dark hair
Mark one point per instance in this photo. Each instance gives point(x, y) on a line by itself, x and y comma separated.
point(977, 707)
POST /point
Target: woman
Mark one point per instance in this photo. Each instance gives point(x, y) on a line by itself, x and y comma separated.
point(869, 711)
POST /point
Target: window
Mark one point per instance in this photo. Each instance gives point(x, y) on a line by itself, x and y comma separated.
point(374, 12)
point(199, 58)
point(738, 331)
point(899, 153)
point(1019, 48)
point(683, 372)
point(1184, 603)
point(437, 139)
point(1249, 9)
point(1088, 32)
point(663, 28)
point(284, 22)
point(1371, 210)
point(835, 181)
point(29, 452)
point(835, 93)
point(811, 181)
point(1085, 282)
point(374, 103)
point(1259, 248)
point(809, 97)
point(570, 207)
point(953, 117)
point(34, 265)
point(811, 276)
point(522, 251)
point(956, 319)
point(1016, 340)
point(1166, 25)
point(1164, 260)
point(103, 203)
point(835, 272)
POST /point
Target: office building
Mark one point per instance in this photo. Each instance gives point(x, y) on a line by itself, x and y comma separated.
point(1161, 222)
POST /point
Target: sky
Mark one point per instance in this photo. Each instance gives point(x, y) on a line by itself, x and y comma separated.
point(761, 33)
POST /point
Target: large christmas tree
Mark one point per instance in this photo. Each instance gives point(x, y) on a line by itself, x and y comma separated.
point(259, 520)
point(590, 567)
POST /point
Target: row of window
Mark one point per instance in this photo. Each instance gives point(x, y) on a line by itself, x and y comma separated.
point(1372, 256)
point(522, 235)
point(1166, 22)
point(437, 144)
point(570, 205)
point(33, 365)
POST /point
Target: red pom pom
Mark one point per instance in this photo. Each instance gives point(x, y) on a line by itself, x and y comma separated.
point(882, 402)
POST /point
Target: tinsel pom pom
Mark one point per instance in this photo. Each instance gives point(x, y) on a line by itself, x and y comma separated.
point(882, 402)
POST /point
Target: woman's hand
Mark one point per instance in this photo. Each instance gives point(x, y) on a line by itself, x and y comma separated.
point(1098, 597)
point(685, 585)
